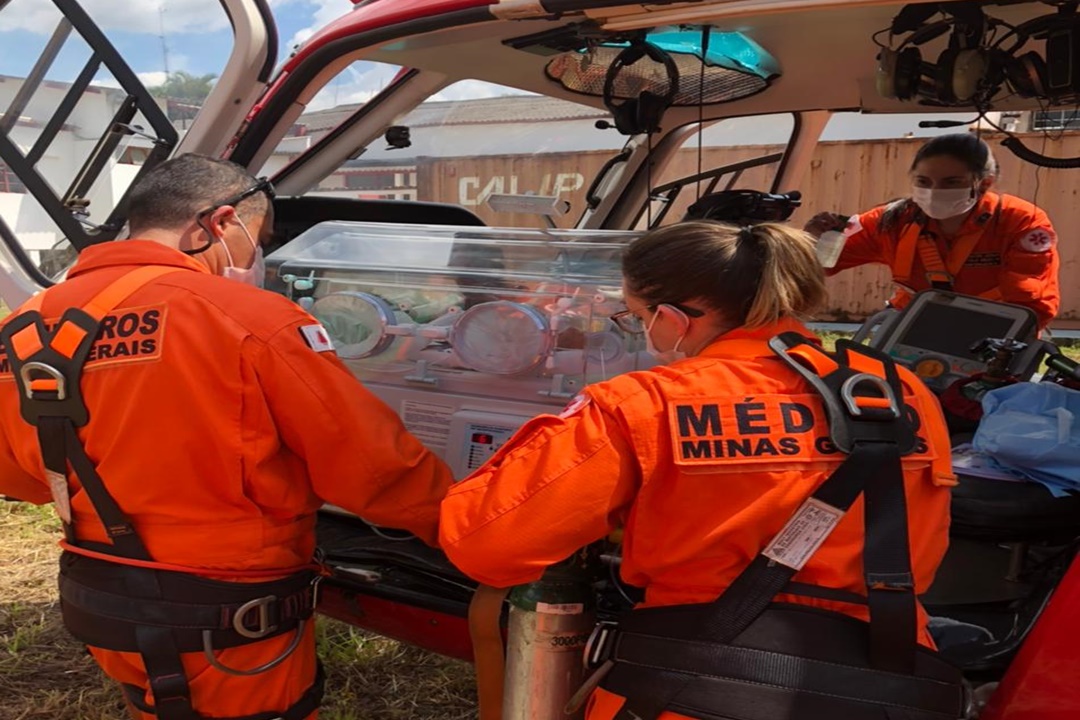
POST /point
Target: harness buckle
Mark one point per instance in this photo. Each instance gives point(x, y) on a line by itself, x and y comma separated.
point(55, 376)
point(869, 407)
point(939, 277)
point(600, 647)
point(261, 606)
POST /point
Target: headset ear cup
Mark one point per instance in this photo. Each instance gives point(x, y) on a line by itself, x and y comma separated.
point(885, 78)
point(908, 73)
point(960, 74)
point(1027, 75)
point(626, 117)
point(650, 110)
point(943, 75)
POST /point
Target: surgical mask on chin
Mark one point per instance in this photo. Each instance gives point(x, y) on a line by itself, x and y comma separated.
point(664, 357)
point(254, 275)
point(944, 204)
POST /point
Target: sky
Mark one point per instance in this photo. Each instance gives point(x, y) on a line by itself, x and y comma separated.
point(188, 35)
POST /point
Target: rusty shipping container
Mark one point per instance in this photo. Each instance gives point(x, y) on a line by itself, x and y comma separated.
point(844, 177)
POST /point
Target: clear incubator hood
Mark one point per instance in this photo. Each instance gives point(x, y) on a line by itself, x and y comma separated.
point(466, 332)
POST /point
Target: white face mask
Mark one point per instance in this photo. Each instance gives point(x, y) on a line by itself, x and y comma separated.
point(254, 275)
point(664, 357)
point(944, 204)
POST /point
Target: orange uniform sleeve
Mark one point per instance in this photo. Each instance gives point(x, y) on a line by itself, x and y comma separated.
point(1030, 264)
point(358, 454)
point(866, 245)
point(561, 483)
point(15, 482)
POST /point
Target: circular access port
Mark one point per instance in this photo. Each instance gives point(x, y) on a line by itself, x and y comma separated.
point(501, 337)
point(356, 323)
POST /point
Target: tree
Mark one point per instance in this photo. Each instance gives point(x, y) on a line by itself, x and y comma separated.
point(186, 87)
point(184, 93)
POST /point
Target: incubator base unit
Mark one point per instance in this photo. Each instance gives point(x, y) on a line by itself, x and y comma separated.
point(465, 332)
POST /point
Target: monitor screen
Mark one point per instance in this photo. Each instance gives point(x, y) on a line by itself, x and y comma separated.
point(953, 330)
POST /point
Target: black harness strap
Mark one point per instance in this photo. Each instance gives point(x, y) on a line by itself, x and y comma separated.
point(875, 435)
point(752, 591)
point(60, 441)
point(887, 568)
point(286, 602)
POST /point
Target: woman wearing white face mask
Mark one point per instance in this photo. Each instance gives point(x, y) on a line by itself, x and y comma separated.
point(954, 234)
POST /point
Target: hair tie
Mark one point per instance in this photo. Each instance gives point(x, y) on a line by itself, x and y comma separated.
point(746, 233)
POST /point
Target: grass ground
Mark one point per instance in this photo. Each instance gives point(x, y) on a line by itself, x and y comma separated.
point(44, 674)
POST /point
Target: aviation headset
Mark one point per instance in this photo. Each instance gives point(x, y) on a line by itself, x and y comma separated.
point(643, 113)
point(968, 65)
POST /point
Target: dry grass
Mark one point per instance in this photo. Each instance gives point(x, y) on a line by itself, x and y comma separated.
point(46, 674)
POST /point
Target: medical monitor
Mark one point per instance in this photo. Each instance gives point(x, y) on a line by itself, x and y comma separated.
point(935, 334)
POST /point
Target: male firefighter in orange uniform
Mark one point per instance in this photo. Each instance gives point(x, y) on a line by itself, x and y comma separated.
point(219, 421)
point(954, 234)
point(702, 460)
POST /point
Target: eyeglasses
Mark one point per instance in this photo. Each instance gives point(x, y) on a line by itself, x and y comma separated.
point(628, 322)
point(262, 185)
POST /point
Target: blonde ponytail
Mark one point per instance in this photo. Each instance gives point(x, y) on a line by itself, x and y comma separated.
point(792, 282)
point(754, 276)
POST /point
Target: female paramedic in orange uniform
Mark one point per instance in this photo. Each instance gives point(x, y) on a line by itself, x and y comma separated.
point(708, 298)
point(954, 234)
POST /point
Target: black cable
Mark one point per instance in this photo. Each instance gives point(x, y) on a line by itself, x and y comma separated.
point(648, 182)
point(874, 39)
point(706, 31)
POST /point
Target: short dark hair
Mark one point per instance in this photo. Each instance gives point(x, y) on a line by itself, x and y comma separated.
point(171, 194)
point(753, 275)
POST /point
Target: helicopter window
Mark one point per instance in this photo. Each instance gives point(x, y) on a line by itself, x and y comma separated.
point(731, 154)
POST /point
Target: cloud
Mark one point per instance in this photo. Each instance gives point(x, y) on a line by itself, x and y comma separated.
point(362, 80)
point(153, 78)
point(325, 12)
point(475, 90)
point(177, 16)
point(149, 78)
point(357, 83)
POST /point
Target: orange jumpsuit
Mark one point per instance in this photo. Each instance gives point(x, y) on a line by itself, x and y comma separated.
point(220, 431)
point(1005, 251)
point(697, 497)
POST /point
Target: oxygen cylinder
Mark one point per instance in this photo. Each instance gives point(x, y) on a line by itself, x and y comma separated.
point(549, 623)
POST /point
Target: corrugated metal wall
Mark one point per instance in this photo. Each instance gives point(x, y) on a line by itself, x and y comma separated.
point(844, 177)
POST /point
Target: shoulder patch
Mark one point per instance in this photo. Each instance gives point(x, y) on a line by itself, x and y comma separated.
point(1039, 240)
point(316, 338)
point(575, 406)
point(854, 226)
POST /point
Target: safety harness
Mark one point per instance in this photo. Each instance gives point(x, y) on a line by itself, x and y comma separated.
point(941, 273)
point(747, 656)
point(114, 595)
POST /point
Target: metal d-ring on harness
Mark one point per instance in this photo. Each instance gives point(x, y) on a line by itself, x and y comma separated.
point(240, 626)
point(748, 656)
point(115, 596)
